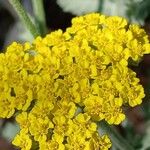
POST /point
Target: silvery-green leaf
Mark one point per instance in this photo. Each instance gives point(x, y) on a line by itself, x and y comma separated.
point(146, 139)
point(10, 130)
point(79, 7)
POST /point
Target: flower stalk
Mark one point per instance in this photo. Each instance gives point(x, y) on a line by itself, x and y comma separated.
point(24, 17)
point(100, 8)
point(39, 14)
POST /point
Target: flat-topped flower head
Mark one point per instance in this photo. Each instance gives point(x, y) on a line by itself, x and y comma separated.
point(59, 86)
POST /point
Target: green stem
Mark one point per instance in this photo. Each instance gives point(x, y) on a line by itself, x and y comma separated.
point(39, 13)
point(100, 8)
point(116, 138)
point(24, 17)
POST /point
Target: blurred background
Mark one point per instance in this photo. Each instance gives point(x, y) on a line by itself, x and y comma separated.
point(136, 128)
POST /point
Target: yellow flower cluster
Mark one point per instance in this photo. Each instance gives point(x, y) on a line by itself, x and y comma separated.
point(59, 86)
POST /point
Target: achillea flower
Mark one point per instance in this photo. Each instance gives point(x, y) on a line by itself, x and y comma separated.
point(23, 140)
point(85, 67)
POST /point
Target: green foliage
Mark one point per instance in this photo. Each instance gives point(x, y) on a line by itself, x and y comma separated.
point(138, 9)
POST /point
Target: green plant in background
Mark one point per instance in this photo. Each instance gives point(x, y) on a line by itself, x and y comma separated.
point(138, 10)
point(79, 7)
point(133, 10)
point(66, 87)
